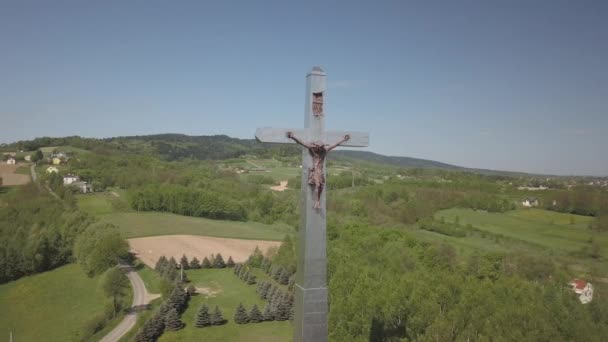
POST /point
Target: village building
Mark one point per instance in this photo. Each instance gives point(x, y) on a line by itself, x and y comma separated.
point(52, 169)
point(530, 202)
point(70, 178)
point(583, 289)
point(28, 158)
point(11, 161)
point(56, 161)
point(83, 187)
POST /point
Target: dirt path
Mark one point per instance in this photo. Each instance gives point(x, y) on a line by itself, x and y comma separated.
point(141, 298)
point(149, 249)
point(281, 187)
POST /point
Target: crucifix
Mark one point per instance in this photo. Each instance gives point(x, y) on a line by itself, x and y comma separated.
point(310, 322)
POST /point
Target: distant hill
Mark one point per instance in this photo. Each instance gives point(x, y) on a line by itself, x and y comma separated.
point(407, 162)
point(172, 146)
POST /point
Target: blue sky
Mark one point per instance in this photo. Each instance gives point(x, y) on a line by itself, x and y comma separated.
point(511, 85)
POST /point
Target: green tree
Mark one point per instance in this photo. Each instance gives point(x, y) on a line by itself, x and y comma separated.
point(115, 285)
point(230, 262)
point(206, 263)
point(240, 315)
point(219, 261)
point(255, 316)
point(268, 314)
point(38, 156)
point(99, 248)
point(191, 290)
point(160, 264)
point(184, 262)
point(251, 279)
point(217, 318)
point(195, 263)
point(172, 321)
point(203, 319)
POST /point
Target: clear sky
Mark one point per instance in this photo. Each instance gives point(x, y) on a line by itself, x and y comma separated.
point(510, 85)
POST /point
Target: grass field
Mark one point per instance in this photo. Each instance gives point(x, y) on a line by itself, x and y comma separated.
point(150, 278)
point(543, 228)
point(230, 292)
point(106, 202)
point(139, 224)
point(51, 306)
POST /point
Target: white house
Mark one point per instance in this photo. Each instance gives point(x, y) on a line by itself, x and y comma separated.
point(530, 202)
point(28, 157)
point(52, 169)
point(83, 187)
point(70, 178)
point(11, 161)
point(583, 289)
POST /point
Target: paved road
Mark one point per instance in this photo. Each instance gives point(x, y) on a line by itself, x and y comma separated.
point(140, 299)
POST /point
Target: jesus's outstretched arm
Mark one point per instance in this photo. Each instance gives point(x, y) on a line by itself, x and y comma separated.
point(290, 135)
point(344, 139)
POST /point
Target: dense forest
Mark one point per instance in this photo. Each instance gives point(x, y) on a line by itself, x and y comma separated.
point(37, 232)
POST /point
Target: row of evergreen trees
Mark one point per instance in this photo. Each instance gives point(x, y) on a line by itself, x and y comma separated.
point(164, 265)
point(241, 271)
point(279, 306)
point(167, 317)
point(205, 319)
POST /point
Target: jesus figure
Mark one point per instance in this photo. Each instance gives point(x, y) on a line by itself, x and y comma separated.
point(318, 151)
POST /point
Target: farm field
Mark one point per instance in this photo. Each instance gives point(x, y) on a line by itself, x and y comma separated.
point(543, 228)
point(141, 224)
point(227, 292)
point(11, 177)
point(149, 249)
point(50, 306)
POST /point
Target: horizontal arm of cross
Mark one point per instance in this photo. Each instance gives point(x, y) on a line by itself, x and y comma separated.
point(279, 135)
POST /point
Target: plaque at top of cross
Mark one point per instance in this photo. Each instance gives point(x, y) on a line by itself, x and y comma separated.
point(310, 322)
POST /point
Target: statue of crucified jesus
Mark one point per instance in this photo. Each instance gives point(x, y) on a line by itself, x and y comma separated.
point(318, 151)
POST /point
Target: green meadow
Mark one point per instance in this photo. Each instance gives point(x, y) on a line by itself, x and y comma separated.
point(50, 306)
point(227, 291)
point(115, 210)
point(540, 227)
point(140, 224)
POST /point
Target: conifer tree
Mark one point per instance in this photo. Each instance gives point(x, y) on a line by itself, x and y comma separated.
point(271, 292)
point(162, 261)
point(191, 290)
point(283, 307)
point(284, 277)
point(219, 261)
point(268, 315)
point(230, 262)
point(195, 264)
point(178, 299)
point(217, 318)
point(291, 283)
point(203, 319)
point(265, 290)
point(237, 269)
point(172, 321)
point(276, 273)
point(206, 263)
point(251, 279)
point(165, 307)
point(184, 262)
point(255, 316)
point(240, 315)
point(173, 262)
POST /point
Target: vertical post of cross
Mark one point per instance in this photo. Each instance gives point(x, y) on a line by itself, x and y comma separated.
point(311, 307)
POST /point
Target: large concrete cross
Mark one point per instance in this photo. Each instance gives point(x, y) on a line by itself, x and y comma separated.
point(311, 279)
